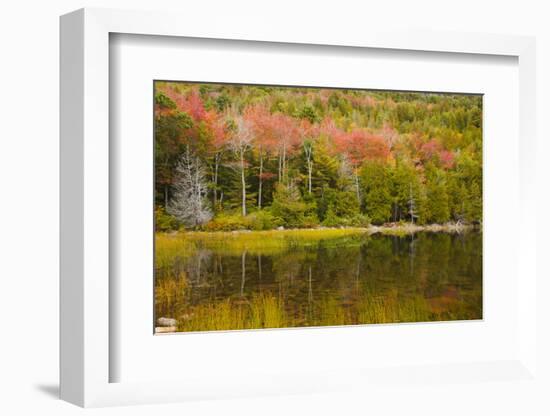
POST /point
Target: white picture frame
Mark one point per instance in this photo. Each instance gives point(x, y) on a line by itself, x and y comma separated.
point(85, 220)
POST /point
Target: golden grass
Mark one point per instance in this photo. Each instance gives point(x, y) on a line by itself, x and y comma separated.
point(184, 244)
point(262, 311)
point(170, 246)
point(170, 295)
point(268, 311)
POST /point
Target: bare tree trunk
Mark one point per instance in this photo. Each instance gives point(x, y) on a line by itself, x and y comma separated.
point(357, 186)
point(216, 167)
point(412, 205)
point(243, 184)
point(279, 171)
point(260, 180)
point(198, 186)
point(310, 168)
point(308, 150)
point(284, 163)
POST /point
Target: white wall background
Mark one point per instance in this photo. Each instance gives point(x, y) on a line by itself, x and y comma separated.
point(29, 205)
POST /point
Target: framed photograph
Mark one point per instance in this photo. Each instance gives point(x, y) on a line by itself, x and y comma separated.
point(276, 212)
point(280, 207)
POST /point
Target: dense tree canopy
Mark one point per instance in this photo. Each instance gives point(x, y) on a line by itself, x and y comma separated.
point(300, 157)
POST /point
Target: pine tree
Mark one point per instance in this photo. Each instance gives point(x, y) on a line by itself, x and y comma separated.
point(289, 206)
point(438, 201)
point(474, 207)
point(376, 184)
point(404, 182)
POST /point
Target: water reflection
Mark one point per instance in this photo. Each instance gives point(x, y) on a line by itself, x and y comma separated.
point(422, 277)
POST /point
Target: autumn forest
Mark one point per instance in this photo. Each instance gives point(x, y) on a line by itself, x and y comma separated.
point(260, 157)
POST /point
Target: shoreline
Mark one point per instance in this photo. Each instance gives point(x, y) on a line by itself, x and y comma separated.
point(414, 228)
point(386, 229)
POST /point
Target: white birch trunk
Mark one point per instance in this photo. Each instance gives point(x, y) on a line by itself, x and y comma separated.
point(260, 180)
point(243, 185)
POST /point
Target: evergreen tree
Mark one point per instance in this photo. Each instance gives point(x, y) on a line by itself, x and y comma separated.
point(474, 210)
point(376, 183)
point(437, 201)
point(325, 170)
point(289, 206)
point(404, 183)
point(341, 204)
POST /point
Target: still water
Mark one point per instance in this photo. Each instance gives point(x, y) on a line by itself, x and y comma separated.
point(372, 279)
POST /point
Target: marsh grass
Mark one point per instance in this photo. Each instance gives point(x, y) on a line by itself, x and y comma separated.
point(262, 311)
point(269, 311)
point(170, 295)
point(185, 244)
point(171, 246)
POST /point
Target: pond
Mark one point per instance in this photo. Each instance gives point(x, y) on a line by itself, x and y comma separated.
point(339, 280)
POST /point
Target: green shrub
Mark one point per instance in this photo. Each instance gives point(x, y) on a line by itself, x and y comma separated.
point(360, 220)
point(291, 209)
point(331, 219)
point(226, 222)
point(164, 221)
point(262, 220)
point(341, 203)
point(308, 221)
point(357, 220)
point(257, 221)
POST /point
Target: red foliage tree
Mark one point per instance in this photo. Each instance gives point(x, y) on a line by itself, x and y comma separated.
point(360, 145)
point(434, 151)
point(189, 102)
point(286, 134)
point(240, 141)
point(261, 122)
point(390, 135)
point(447, 159)
point(218, 145)
point(309, 133)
